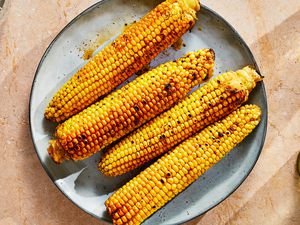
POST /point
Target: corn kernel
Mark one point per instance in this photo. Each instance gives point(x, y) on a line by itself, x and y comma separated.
point(158, 197)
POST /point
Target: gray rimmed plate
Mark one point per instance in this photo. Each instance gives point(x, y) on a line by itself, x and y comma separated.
point(80, 181)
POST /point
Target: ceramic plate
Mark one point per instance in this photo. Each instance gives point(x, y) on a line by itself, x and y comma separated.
point(80, 181)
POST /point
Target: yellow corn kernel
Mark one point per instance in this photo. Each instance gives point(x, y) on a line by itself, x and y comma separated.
point(203, 107)
point(115, 63)
point(126, 109)
point(246, 118)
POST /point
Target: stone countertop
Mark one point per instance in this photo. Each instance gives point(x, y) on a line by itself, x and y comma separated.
point(270, 195)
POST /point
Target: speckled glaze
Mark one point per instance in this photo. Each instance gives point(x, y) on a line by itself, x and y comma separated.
point(81, 182)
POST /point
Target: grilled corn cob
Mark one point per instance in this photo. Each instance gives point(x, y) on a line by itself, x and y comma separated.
point(175, 171)
point(127, 108)
point(216, 99)
point(135, 48)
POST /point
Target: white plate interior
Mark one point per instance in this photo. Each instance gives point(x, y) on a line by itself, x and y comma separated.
point(81, 182)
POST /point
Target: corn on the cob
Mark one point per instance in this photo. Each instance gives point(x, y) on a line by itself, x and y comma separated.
point(135, 48)
point(127, 108)
point(175, 171)
point(216, 99)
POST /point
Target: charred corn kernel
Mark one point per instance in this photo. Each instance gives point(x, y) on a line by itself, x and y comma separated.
point(216, 99)
point(123, 57)
point(127, 108)
point(219, 134)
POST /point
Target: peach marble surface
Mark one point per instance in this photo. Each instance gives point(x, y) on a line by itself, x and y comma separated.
point(270, 195)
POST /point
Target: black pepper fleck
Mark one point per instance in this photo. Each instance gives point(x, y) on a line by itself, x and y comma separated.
point(162, 136)
point(167, 87)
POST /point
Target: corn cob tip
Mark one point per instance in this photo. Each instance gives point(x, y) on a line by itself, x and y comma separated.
point(255, 111)
point(56, 152)
point(193, 4)
point(207, 55)
point(253, 73)
point(213, 54)
point(49, 114)
point(247, 78)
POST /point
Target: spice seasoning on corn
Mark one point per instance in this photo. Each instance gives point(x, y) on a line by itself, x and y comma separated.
point(133, 49)
point(214, 100)
point(175, 171)
point(129, 107)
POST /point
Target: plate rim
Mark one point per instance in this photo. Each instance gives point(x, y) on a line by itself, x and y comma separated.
point(203, 7)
